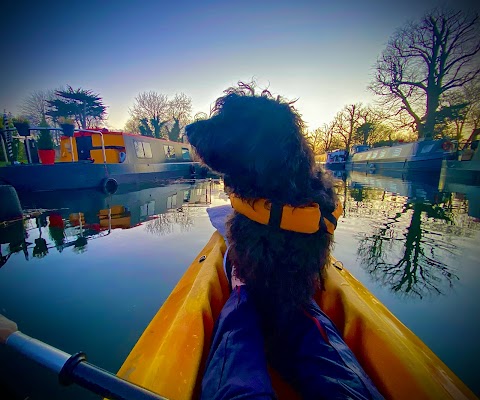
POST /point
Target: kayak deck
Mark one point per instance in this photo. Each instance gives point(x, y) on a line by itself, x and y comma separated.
point(169, 358)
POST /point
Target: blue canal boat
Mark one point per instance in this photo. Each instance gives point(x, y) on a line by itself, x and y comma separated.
point(104, 159)
point(424, 156)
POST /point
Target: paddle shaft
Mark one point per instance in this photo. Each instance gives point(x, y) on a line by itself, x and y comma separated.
point(75, 369)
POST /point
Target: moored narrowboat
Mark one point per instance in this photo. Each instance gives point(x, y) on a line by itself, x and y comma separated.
point(424, 155)
point(104, 159)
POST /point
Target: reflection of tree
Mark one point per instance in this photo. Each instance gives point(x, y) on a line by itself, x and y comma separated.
point(41, 249)
point(164, 224)
point(419, 271)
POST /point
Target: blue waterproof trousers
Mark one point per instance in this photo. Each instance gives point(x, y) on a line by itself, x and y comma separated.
point(310, 355)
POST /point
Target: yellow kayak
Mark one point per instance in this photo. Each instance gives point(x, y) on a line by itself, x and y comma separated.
point(169, 358)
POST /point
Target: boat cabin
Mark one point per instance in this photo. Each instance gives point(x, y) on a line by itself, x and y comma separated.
point(336, 156)
point(103, 146)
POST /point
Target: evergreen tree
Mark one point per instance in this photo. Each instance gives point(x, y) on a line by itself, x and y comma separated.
point(84, 106)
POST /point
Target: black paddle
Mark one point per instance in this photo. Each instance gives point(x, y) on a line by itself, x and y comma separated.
point(71, 368)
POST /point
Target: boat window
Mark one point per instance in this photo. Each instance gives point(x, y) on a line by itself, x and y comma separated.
point(169, 151)
point(427, 148)
point(138, 148)
point(142, 149)
point(147, 150)
point(185, 154)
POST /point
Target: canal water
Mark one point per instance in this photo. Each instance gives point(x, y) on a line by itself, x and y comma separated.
point(87, 272)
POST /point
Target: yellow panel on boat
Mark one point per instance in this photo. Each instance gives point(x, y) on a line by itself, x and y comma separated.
point(117, 222)
point(108, 139)
point(113, 210)
point(169, 358)
point(111, 155)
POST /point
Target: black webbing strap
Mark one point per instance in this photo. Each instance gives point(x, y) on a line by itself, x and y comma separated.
point(276, 210)
point(331, 218)
point(323, 227)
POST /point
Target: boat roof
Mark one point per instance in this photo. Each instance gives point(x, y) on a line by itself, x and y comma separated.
point(105, 131)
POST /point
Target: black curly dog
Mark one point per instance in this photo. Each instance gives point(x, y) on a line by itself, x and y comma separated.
point(256, 143)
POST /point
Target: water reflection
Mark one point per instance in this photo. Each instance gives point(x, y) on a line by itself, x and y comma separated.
point(73, 219)
point(410, 244)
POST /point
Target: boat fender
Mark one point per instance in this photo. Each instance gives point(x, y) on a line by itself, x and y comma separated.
point(192, 170)
point(371, 167)
point(11, 208)
point(447, 146)
point(109, 185)
point(122, 156)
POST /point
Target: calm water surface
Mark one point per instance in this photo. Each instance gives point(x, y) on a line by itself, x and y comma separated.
point(87, 272)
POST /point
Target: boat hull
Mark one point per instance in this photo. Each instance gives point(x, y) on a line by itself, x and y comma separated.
point(86, 175)
point(169, 358)
point(335, 166)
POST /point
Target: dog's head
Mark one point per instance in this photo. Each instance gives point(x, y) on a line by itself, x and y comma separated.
point(255, 141)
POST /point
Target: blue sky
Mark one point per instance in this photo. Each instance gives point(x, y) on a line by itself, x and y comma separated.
point(321, 52)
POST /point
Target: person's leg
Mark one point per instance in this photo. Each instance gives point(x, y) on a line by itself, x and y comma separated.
point(236, 366)
point(311, 355)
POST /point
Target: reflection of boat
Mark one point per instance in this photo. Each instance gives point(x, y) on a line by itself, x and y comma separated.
point(103, 159)
point(96, 206)
point(426, 155)
point(472, 193)
point(76, 217)
point(465, 169)
point(413, 186)
point(336, 160)
point(170, 356)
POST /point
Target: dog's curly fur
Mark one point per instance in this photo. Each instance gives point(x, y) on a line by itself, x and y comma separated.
point(256, 142)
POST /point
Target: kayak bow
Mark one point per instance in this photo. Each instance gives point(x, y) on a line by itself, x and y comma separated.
point(169, 358)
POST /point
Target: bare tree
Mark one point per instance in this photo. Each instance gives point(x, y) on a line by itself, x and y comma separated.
point(467, 99)
point(323, 139)
point(426, 59)
point(157, 116)
point(150, 105)
point(132, 126)
point(180, 110)
point(35, 105)
point(348, 120)
point(150, 109)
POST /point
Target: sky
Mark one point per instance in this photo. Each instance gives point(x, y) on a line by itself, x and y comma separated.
point(319, 52)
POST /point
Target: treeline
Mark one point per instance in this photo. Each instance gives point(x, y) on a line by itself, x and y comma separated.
point(427, 85)
point(152, 114)
point(426, 82)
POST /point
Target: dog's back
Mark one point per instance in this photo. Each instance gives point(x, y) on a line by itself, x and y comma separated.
point(256, 142)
